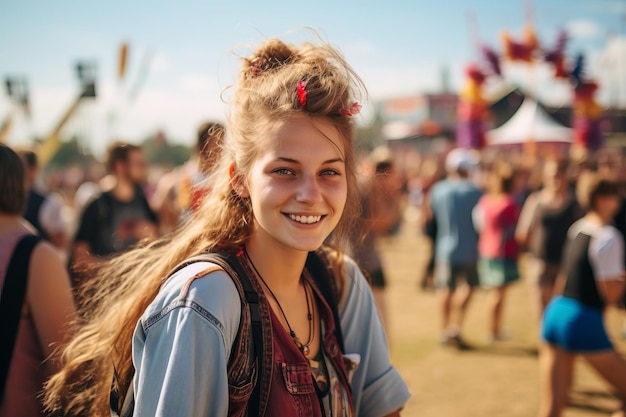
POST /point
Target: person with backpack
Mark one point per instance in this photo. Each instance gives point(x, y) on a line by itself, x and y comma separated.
point(118, 218)
point(251, 308)
point(36, 305)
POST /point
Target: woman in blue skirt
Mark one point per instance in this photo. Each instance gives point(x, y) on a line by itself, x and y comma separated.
point(591, 280)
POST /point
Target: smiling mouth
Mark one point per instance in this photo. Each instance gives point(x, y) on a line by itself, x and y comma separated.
point(305, 219)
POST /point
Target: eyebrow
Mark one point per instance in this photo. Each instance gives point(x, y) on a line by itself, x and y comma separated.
point(293, 161)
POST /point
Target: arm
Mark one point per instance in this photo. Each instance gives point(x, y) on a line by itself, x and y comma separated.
point(378, 388)
point(612, 290)
point(478, 217)
point(606, 254)
point(50, 301)
point(181, 354)
point(524, 224)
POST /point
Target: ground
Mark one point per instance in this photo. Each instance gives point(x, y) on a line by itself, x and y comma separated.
point(490, 380)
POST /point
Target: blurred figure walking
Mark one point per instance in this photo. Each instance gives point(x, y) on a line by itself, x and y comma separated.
point(179, 192)
point(545, 218)
point(381, 195)
point(44, 210)
point(456, 245)
point(35, 301)
point(592, 280)
point(495, 217)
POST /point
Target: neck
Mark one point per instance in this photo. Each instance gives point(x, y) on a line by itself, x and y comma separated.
point(124, 190)
point(281, 268)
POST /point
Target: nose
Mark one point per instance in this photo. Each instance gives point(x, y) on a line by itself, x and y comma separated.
point(309, 190)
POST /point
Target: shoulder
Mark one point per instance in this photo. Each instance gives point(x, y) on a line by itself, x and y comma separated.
point(204, 291)
point(356, 285)
point(46, 264)
point(532, 199)
point(608, 236)
point(579, 226)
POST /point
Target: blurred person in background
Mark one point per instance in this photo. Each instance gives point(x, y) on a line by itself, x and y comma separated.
point(430, 173)
point(118, 218)
point(180, 192)
point(456, 245)
point(495, 217)
point(611, 165)
point(542, 228)
point(592, 280)
point(44, 210)
point(381, 205)
point(42, 318)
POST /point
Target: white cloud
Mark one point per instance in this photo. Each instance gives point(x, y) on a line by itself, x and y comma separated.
point(610, 71)
point(158, 62)
point(583, 28)
point(197, 82)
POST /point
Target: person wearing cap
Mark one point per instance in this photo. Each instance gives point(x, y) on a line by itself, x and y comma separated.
point(456, 244)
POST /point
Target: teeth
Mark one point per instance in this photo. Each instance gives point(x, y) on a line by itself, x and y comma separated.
point(305, 219)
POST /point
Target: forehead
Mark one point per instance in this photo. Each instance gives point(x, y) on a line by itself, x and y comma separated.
point(301, 135)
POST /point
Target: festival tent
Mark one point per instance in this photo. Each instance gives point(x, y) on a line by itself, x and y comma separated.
point(531, 123)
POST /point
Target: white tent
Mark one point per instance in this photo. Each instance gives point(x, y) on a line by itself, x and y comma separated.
point(530, 123)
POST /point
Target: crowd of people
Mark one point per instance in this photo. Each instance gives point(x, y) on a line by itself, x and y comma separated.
point(251, 278)
point(567, 217)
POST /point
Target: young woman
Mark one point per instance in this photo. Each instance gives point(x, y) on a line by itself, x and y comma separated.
point(286, 184)
point(48, 308)
point(495, 218)
point(592, 279)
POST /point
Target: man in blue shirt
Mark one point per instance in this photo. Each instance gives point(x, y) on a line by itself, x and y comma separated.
point(456, 248)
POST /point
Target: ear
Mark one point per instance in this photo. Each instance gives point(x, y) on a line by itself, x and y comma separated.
point(237, 182)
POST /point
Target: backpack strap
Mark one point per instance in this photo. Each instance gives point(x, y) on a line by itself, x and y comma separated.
point(230, 263)
point(317, 264)
point(12, 302)
point(319, 267)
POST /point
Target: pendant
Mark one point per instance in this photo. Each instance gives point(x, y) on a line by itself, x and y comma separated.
point(306, 350)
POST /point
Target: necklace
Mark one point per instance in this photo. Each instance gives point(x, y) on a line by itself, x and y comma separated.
point(306, 347)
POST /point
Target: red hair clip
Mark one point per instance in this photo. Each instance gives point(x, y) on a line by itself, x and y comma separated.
point(354, 109)
point(301, 92)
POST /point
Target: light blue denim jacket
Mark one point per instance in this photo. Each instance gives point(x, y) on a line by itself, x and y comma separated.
point(181, 348)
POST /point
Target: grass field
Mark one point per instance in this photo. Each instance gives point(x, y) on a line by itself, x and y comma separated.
point(500, 379)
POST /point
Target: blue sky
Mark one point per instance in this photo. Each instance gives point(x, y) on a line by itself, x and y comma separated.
point(397, 47)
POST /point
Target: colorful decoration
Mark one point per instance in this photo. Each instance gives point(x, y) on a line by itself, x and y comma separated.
point(355, 108)
point(556, 56)
point(587, 112)
point(492, 60)
point(300, 90)
point(472, 111)
point(520, 50)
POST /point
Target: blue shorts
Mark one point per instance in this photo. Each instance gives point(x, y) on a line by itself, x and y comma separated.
point(574, 326)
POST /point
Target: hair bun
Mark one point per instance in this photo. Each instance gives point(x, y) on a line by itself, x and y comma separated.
point(273, 54)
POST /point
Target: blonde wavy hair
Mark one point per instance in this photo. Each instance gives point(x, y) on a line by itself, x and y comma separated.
point(117, 295)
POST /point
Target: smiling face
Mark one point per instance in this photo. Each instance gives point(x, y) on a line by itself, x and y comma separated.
point(297, 185)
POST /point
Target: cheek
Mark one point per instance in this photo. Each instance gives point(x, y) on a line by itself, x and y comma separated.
point(339, 194)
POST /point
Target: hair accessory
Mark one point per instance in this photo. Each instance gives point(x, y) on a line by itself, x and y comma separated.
point(255, 66)
point(301, 92)
point(354, 109)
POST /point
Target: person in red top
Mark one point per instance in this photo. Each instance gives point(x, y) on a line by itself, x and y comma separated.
point(495, 217)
